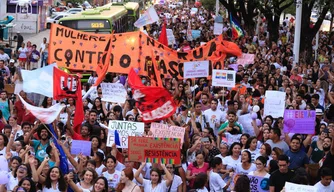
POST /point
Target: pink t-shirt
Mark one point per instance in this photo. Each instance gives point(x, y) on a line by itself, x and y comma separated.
point(195, 170)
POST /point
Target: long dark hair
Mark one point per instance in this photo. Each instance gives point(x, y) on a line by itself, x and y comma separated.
point(242, 184)
point(198, 153)
point(32, 184)
point(61, 181)
point(105, 184)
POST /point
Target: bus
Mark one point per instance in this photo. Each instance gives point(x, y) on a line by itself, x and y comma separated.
point(105, 19)
point(133, 13)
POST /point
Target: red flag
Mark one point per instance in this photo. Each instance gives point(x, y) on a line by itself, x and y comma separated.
point(69, 86)
point(64, 85)
point(79, 115)
point(163, 35)
point(154, 103)
point(103, 65)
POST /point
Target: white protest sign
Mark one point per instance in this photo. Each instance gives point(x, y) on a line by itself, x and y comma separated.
point(223, 78)
point(195, 69)
point(217, 28)
point(291, 187)
point(165, 131)
point(113, 92)
point(124, 129)
point(170, 37)
point(245, 59)
point(230, 139)
point(246, 122)
point(274, 103)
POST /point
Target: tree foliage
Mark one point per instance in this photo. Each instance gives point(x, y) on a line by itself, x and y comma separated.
point(208, 4)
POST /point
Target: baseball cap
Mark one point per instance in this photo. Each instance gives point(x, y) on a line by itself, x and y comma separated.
point(12, 61)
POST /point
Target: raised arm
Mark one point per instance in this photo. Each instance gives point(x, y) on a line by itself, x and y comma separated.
point(33, 168)
point(137, 174)
point(169, 177)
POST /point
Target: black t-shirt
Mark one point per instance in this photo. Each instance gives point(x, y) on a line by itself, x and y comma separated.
point(329, 162)
point(278, 179)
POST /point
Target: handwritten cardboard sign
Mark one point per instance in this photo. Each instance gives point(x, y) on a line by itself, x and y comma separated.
point(113, 92)
point(165, 131)
point(299, 121)
point(79, 146)
point(124, 129)
point(258, 184)
point(154, 150)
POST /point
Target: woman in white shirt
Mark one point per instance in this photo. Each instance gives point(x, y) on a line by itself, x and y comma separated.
point(261, 163)
point(88, 176)
point(176, 185)
point(246, 165)
point(23, 52)
point(54, 181)
point(155, 184)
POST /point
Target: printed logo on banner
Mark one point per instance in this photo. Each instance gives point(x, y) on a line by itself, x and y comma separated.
point(223, 78)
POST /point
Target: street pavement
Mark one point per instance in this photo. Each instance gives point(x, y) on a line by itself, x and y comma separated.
point(36, 38)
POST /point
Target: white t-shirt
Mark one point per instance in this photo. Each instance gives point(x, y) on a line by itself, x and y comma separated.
point(23, 52)
point(159, 188)
point(13, 182)
point(113, 179)
point(321, 188)
point(99, 169)
point(4, 57)
point(213, 117)
point(254, 154)
point(42, 47)
point(177, 181)
point(241, 170)
point(3, 151)
point(231, 163)
point(216, 182)
point(202, 190)
point(83, 189)
point(51, 189)
point(266, 176)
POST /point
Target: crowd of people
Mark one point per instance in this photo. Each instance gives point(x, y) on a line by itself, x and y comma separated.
point(218, 154)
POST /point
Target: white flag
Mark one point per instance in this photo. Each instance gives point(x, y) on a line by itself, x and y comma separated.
point(149, 17)
point(39, 80)
point(45, 115)
point(189, 32)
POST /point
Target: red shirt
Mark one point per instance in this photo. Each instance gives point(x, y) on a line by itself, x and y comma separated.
point(30, 118)
point(18, 106)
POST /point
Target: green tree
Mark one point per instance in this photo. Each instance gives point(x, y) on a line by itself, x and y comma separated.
point(307, 32)
point(272, 10)
point(209, 4)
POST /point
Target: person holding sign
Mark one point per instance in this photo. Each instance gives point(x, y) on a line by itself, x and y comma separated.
point(156, 184)
point(261, 163)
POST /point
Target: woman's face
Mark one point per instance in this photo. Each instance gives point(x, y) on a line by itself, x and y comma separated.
point(2, 141)
point(97, 102)
point(323, 135)
point(26, 185)
point(22, 171)
point(273, 155)
point(259, 165)
point(243, 140)
point(55, 174)
point(102, 134)
point(123, 178)
point(139, 118)
point(88, 177)
point(49, 101)
point(269, 121)
point(236, 150)
point(253, 144)
point(154, 177)
point(12, 121)
point(223, 149)
point(85, 102)
point(95, 142)
point(244, 157)
point(111, 164)
point(131, 118)
point(14, 164)
point(70, 101)
point(18, 146)
point(263, 151)
point(99, 185)
point(200, 159)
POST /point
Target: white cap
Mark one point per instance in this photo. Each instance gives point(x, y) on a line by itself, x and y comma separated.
point(319, 111)
point(12, 61)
